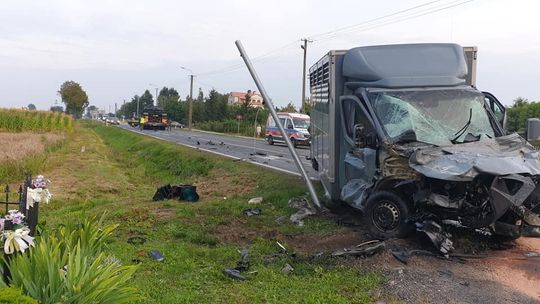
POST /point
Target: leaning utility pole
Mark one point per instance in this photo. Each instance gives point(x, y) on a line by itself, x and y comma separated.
point(190, 106)
point(304, 47)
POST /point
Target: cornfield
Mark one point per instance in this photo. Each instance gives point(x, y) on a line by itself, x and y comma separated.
point(15, 120)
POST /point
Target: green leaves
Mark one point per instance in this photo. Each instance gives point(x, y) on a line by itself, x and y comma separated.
point(74, 97)
point(68, 266)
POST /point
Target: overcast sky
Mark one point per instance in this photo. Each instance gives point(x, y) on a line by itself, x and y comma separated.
point(116, 49)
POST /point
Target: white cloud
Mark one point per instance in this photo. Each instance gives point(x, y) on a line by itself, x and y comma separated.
point(116, 48)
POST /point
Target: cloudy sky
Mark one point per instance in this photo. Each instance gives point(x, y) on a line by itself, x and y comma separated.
point(116, 49)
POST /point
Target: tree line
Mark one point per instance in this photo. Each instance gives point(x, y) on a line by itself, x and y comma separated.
point(518, 113)
point(210, 112)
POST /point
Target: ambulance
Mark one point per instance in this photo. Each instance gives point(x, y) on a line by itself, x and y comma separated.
point(296, 125)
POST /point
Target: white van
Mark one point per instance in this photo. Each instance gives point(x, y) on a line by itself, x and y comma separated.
point(296, 126)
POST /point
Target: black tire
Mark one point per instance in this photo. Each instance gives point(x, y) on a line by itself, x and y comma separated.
point(270, 140)
point(293, 142)
point(386, 215)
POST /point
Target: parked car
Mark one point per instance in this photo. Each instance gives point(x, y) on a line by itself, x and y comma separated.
point(175, 124)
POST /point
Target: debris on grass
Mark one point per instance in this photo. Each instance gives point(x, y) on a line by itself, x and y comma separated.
point(242, 265)
point(304, 210)
point(136, 240)
point(365, 249)
point(252, 211)
point(255, 200)
point(287, 269)
point(180, 192)
point(156, 255)
point(233, 273)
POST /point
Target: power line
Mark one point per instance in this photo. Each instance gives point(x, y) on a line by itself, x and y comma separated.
point(374, 19)
point(413, 15)
point(255, 59)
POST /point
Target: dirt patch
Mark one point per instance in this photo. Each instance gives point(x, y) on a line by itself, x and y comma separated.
point(222, 184)
point(16, 146)
point(505, 275)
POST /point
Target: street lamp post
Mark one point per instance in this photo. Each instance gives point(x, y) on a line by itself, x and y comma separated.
point(190, 102)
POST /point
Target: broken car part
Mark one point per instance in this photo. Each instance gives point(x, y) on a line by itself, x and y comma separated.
point(365, 249)
point(252, 211)
point(234, 273)
point(438, 237)
point(269, 104)
point(304, 210)
point(156, 255)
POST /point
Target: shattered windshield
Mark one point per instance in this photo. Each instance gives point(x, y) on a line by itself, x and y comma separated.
point(301, 123)
point(439, 117)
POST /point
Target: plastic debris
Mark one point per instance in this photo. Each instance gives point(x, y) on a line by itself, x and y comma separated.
point(287, 269)
point(365, 249)
point(438, 237)
point(156, 255)
point(241, 265)
point(255, 200)
point(304, 210)
point(181, 192)
point(252, 211)
point(233, 273)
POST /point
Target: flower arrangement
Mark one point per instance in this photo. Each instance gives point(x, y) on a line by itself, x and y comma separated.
point(15, 233)
point(13, 229)
point(38, 192)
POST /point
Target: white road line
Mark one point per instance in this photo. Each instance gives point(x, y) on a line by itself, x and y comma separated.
point(225, 155)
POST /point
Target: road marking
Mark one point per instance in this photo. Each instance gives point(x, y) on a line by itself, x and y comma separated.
point(225, 155)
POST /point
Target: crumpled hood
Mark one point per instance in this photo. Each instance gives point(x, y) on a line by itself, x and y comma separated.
point(509, 154)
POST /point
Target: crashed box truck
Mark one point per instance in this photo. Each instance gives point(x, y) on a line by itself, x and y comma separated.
point(401, 133)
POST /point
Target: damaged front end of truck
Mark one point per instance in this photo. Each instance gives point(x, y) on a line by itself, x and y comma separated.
point(442, 157)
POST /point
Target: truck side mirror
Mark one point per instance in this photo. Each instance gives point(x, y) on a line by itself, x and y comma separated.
point(290, 126)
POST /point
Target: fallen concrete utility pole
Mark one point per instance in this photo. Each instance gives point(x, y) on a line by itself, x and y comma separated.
point(270, 106)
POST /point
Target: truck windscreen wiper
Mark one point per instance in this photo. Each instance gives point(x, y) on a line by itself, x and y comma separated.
point(464, 128)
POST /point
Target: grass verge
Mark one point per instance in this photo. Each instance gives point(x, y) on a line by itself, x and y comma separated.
point(118, 173)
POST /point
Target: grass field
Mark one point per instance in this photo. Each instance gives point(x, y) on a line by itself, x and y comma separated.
point(118, 173)
point(15, 120)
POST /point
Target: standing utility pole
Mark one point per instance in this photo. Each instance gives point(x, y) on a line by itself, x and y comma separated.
point(190, 102)
point(190, 106)
point(304, 47)
point(156, 97)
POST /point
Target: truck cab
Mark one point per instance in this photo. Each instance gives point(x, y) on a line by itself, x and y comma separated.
point(401, 133)
point(296, 125)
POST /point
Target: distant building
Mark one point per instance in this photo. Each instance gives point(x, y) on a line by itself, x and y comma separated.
point(255, 101)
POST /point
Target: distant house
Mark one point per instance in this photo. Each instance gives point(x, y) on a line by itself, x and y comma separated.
point(255, 101)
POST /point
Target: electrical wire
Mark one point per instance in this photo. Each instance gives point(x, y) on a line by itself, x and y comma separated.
point(398, 19)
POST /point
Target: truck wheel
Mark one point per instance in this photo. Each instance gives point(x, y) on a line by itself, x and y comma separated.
point(270, 140)
point(386, 215)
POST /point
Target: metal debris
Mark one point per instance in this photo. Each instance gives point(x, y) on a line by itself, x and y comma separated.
point(438, 237)
point(287, 269)
point(304, 210)
point(365, 249)
point(252, 211)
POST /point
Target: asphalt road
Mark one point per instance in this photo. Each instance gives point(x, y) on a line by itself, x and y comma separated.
point(257, 152)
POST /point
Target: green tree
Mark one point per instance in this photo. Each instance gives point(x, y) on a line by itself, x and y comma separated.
point(31, 107)
point(146, 100)
point(57, 109)
point(74, 97)
point(288, 108)
point(90, 109)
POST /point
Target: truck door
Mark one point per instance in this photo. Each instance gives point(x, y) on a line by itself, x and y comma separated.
point(360, 141)
point(496, 107)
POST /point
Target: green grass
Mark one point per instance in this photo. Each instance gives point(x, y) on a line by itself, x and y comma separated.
point(15, 120)
point(118, 174)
